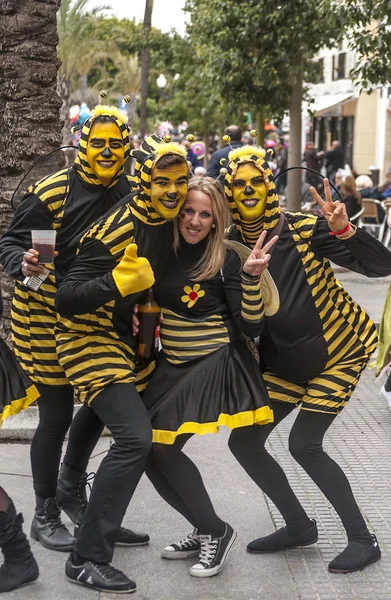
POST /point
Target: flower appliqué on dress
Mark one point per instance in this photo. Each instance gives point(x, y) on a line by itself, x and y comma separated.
point(192, 294)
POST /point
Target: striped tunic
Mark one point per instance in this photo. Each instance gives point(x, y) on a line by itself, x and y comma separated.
point(199, 318)
point(62, 202)
point(318, 325)
point(95, 343)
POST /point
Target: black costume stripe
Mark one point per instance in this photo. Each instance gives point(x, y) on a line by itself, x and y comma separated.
point(184, 340)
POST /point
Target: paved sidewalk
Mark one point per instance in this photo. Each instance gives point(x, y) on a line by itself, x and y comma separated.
point(359, 440)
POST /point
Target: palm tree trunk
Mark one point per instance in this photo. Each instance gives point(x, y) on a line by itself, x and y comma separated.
point(29, 116)
point(145, 59)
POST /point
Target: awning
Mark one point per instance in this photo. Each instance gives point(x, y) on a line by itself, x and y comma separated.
point(329, 103)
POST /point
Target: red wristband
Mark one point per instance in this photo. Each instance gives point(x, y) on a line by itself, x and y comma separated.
point(342, 231)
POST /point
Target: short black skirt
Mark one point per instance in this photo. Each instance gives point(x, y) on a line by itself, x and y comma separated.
point(17, 391)
point(223, 388)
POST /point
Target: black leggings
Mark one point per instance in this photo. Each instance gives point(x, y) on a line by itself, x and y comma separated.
point(305, 445)
point(177, 479)
point(55, 416)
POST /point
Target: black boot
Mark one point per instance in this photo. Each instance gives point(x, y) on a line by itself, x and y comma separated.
point(47, 527)
point(71, 492)
point(19, 566)
point(124, 537)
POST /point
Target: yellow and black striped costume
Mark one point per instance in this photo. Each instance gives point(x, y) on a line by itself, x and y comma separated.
point(67, 201)
point(316, 346)
point(207, 377)
point(95, 342)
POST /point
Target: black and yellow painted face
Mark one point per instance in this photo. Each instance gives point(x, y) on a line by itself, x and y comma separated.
point(249, 192)
point(105, 151)
point(169, 189)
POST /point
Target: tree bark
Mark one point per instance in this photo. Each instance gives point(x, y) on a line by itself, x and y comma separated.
point(145, 60)
point(29, 116)
point(294, 149)
point(260, 126)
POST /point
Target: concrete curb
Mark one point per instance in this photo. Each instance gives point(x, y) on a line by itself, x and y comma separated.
point(22, 426)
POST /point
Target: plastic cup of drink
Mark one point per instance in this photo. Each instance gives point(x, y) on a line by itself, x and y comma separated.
point(44, 241)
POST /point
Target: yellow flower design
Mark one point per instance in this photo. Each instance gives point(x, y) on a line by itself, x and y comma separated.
point(192, 294)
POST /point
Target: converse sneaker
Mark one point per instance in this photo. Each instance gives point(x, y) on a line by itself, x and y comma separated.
point(186, 548)
point(99, 576)
point(214, 553)
point(386, 395)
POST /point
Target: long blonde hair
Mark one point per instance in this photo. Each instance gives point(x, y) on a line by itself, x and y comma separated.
point(213, 258)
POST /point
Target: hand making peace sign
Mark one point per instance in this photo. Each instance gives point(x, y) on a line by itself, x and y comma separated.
point(259, 258)
point(334, 212)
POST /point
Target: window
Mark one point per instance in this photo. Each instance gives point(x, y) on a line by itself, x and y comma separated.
point(341, 65)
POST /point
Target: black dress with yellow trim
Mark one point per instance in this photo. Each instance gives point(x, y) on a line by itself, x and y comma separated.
point(95, 342)
point(206, 376)
point(17, 392)
point(67, 201)
point(316, 346)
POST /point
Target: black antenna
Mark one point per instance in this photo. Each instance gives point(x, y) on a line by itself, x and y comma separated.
point(41, 158)
point(311, 171)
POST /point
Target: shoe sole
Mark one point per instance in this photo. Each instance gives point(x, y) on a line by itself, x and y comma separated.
point(179, 555)
point(216, 570)
point(100, 589)
point(132, 545)
point(21, 585)
point(69, 548)
point(282, 549)
point(346, 571)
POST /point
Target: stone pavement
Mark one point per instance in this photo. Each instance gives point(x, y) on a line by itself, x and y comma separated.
point(359, 440)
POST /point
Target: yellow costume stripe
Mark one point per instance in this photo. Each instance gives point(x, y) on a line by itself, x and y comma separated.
point(177, 332)
point(260, 416)
point(20, 404)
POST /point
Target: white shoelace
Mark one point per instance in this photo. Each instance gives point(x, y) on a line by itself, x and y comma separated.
point(190, 540)
point(208, 552)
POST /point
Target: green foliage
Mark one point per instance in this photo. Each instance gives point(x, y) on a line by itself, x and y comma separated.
point(252, 51)
point(369, 34)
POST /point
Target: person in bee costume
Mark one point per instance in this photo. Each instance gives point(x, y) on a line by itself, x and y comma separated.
point(120, 256)
point(313, 349)
point(16, 393)
point(68, 202)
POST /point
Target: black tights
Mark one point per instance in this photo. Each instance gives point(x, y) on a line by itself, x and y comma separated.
point(177, 479)
point(55, 416)
point(305, 445)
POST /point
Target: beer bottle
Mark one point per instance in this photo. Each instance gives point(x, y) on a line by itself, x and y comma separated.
point(149, 328)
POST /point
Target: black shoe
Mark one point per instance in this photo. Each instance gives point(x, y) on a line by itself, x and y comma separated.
point(124, 537)
point(49, 530)
point(72, 492)
point(281, 540)
point(127, 537)
point(99, 576)
point(19, 566)
point(213, 553)
point(355, 557)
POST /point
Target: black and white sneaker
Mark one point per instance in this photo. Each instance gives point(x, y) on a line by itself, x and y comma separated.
point(214, 553)
point(99, 576)
point(186, 548)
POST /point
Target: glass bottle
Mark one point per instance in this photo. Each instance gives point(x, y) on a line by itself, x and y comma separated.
point(149, 328)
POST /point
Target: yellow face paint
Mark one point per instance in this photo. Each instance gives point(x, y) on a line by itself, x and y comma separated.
point(169, 189)
point(105, 151)
point(249, 192)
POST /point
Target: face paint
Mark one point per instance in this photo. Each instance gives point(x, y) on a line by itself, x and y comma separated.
point(105, 151)
point(169, 189)
point(249, 192)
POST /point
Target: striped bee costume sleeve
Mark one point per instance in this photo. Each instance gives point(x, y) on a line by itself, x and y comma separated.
point(244, 297)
